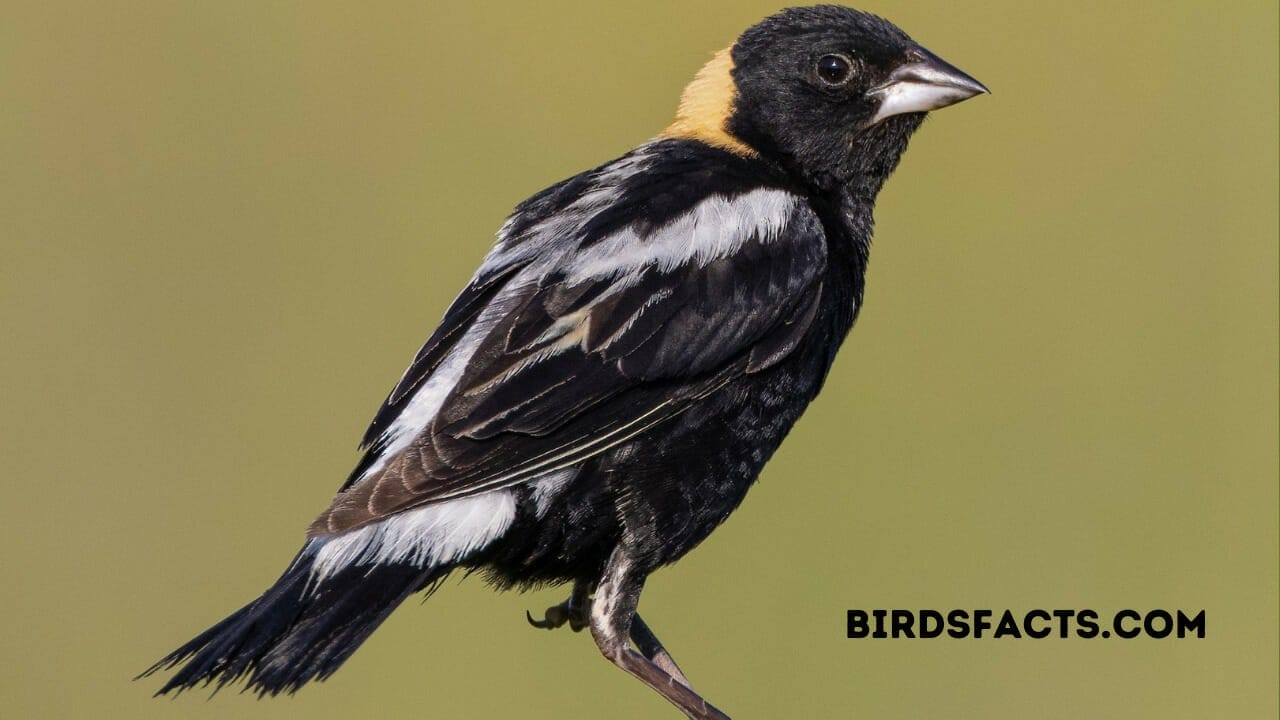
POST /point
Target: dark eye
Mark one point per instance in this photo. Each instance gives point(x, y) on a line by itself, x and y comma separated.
point(834, 69)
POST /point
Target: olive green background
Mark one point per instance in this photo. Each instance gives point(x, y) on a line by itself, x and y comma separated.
point(227, 226)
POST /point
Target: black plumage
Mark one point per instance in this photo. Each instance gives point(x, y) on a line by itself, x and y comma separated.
point(609, 385)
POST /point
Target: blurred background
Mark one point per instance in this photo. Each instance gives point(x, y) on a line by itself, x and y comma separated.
point(228, 226)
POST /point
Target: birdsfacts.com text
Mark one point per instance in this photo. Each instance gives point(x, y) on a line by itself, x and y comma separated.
point(1035, 624)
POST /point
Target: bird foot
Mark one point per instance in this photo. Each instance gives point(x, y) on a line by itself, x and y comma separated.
point(576, 614)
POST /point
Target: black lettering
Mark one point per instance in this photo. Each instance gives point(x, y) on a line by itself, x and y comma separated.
point(879, 632)
point(930, 623)
point(1186, 624)
point(1158, 624)
point(1064, 622)
point(903, 621)
point(1044, 631)
point(1120, 629)
point(959, 623)
point(858, 624)
point(1008, 626)
point(1088, 622)
point(981, 621)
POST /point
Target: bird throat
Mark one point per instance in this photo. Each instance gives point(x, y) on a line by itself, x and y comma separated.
point(705, 107)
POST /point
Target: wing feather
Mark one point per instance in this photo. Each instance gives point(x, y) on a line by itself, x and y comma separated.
point(571, 356)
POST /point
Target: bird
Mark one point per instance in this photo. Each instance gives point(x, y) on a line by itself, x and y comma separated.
point(631, 351)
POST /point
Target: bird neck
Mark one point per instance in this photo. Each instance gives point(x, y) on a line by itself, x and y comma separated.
point(874, 153)
point(847, 223)
point(706, 106)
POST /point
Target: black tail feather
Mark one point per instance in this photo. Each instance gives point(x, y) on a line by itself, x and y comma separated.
point(297, 631)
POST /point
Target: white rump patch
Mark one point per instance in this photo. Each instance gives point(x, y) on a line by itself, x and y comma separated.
point(426, 536)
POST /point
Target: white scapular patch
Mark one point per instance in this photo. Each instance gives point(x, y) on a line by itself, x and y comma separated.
point(712, 229)
point(426, 536)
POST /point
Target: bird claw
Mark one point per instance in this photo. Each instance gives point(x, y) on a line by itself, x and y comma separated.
point(557, 615)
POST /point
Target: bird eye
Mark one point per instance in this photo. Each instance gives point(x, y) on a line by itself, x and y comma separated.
point(834, 69)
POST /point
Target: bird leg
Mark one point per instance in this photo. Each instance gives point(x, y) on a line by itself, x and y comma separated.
point(651, 647)
point(575, 611)
point(613, 620)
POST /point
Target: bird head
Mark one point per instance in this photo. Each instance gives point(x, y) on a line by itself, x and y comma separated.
point(829, 93)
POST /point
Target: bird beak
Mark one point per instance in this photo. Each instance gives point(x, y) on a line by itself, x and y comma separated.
point(924, 82)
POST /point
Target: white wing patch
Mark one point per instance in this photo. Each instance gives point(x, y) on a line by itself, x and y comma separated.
point(712, 229)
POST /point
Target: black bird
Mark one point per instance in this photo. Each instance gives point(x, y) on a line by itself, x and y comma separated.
point(629, 355)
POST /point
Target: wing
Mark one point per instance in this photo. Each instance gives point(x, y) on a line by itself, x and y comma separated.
point(576, 346)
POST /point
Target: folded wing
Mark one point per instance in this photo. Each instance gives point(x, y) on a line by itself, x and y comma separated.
point(564, 347)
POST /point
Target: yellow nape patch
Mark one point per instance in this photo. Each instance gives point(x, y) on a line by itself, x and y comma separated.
point(706, 105)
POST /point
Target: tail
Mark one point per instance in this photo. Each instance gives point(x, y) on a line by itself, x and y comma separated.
point(299, 630)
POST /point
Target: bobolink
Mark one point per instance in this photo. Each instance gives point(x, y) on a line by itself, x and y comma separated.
point(628, 356)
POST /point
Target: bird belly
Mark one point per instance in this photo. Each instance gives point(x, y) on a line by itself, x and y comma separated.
point(673, 488)
point(660, 494)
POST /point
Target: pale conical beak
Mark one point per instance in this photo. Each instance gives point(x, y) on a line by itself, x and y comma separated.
point(924, 82)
